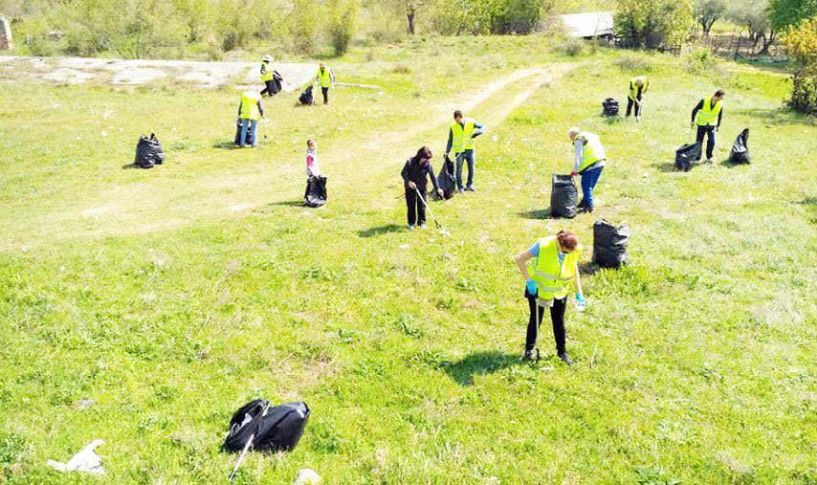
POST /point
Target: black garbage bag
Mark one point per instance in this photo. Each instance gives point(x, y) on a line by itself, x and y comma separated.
point(687, 155)
point(447, 180)
point(609, 107)
point(148, 152)
point(306, 97)
point(564, 197)
point(610, 244)
point(249, 138)
point(740, 149)
point(315, 195)
point(277, 428)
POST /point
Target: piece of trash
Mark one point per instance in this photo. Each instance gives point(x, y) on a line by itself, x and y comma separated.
point(307, 476)
point(86, 461)
point(84, 404)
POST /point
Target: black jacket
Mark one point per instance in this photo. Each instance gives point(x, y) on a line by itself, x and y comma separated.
point(417, 172)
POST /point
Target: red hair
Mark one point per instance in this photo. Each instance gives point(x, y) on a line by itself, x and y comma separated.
point(567, 240)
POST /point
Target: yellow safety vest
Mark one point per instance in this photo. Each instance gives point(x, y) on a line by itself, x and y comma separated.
point(249, 106)
point(462, 136)
point(324, 77)
point(266, 72)
point(708, 115)
point(634, 89)
point(553, 280)
point(593, 150)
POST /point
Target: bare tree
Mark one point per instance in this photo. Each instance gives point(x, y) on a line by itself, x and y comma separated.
point(411, 13)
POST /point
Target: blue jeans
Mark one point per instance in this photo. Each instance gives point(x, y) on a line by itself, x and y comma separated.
point(466, 156)
point(589, 180)
point(251, 125)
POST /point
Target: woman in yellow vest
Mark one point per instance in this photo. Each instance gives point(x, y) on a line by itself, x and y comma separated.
point(549, 277)
point(589, 162)
point(325, 78)
point(708, 114)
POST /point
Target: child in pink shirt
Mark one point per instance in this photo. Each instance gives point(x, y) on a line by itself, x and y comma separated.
point(313, 168)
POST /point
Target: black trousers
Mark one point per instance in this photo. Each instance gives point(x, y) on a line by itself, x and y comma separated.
point(709, 132)
point(416, 207)
point(557, 318)
point(631, 104)
point(325, 92)
point(269, 90)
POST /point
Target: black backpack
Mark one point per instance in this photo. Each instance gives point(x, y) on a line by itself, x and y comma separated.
point(564, 197)
point(306, 97)
point(277, 428)
point(687, 155)
point(148, 152)
point(315, 195)
point(740, 149)
point(609, 107)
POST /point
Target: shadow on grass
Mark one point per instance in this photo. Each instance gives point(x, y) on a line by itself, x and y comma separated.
point(479, 363)
point(226, 145)
point(288, 203)
point(129, 166)
point(779, 116)
point(728, 164)
point(812, 201)
point(588, 269)
point(666, 167)
point(379, 230)
point(536, 214)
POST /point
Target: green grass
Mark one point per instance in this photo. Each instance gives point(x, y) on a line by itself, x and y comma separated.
point(170, 297)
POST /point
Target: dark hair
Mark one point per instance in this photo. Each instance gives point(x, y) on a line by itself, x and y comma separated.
point(422, 153)
point(457, 114)
point(567, 240)
point(719, 93)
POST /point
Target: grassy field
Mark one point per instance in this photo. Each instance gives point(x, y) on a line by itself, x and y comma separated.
point(144, 307)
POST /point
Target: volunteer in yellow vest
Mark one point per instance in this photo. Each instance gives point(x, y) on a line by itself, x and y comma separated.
point(590, 160)
point(461, 136)
point(550, 269)
point(325, 79)
point(270, 78)
point(638, 88)
point(707, 115)
point(249, 110)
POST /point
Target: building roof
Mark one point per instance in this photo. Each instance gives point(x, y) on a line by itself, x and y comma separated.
point(593, 24)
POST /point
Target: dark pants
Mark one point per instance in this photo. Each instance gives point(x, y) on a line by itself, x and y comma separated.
point(270, 88)
point(709, 132)
point(416, 206)
point(589, 180)
point(466, 156)
point(557, 317)
point(631, 104)
point(325, 92)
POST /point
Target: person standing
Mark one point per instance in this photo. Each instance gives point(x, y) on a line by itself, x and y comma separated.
point(313, 166)
point(708, 114)
point(589, 161)
point(550, 268)
point(638, 88)
point(325, 79)
point(249, 110)
point(416, 173)
point(461, 136)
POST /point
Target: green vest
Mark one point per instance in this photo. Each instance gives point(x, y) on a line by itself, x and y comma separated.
point(593, 150)
point(324, 77)
point(249, 106)
point(462, 136)
point(634, 89)
point(266, 72)
point(708, 115)
point(552, 279)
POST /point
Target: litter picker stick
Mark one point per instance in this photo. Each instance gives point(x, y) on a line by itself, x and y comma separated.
point(246, 449)
point(422, 199)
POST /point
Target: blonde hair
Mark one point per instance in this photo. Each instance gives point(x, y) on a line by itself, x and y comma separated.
point(573, 132)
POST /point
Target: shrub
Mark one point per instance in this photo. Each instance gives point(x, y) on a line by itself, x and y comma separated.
point(653, 23)
point(572, 47)
point(699, 59)
point(342, 25)
point(634, 62)
point(801, 46)
point(304, 25)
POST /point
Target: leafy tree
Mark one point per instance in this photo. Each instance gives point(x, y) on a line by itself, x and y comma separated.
point(801, 46)
point(304, 25)
point(653, 23)
point(786, 13)
point(754, 15)
point(342, 24)
point(707, 12)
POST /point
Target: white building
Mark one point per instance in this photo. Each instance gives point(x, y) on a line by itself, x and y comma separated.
point(591, 25)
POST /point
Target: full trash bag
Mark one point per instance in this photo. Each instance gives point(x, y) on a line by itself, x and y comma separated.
point(277, 428)
point(446, 180)
point(306, 97)
point(687, 155)
point(249, 138)
point(148, 152)
point(610, 107)
point(564, 197)
point(610, 244)
point(315, 195)
point(740, 149)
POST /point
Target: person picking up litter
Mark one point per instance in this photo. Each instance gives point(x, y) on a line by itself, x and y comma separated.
point(249, 110)
point(416, 173)
point(708, 114)
point(589, 162)
point(461, 136)
point(550, 269)
point(635, 99)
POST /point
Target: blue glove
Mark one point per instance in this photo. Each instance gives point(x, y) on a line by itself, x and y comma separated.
point(530, 285)
point(580, 298)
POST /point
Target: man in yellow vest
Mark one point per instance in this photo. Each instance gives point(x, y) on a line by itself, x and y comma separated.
point(638, 88)
point(708, 114)
point(461, 136)
point(270, 78)
point(589, 162)
point(249, 110)
point(325, 79)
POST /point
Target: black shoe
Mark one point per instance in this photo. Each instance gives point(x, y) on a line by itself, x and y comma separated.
point(531, 355)
point(583, 209)
point(470, 189)
point(566, 358)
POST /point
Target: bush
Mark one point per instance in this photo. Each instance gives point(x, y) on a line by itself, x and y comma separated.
point(699, 59)
point(304, 24)
point(572, 47)
point(653, 23)
point(801, 46)
point(634, 62)
point(342, 25)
